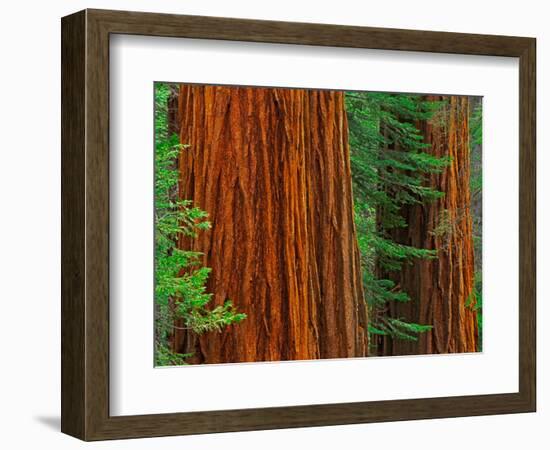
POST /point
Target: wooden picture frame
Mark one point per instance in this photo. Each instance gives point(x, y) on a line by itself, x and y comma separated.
point(85, 224)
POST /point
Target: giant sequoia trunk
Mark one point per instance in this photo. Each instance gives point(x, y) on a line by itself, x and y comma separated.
point(442, 289)
point(271, 167)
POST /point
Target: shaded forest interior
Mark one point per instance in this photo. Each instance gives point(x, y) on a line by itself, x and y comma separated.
point(296, 224)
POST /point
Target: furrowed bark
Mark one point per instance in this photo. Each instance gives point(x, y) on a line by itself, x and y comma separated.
point(441, 290)
point(271, 168)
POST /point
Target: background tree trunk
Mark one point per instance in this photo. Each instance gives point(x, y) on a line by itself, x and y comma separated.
point(441, 290)
point(271, 168)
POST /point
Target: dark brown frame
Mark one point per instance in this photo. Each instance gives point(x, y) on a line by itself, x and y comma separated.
point(85, 224)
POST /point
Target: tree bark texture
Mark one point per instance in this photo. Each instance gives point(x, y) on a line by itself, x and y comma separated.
point(441, 290)
point(271, 168)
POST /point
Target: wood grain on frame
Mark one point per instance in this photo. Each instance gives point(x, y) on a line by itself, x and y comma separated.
point(85, 224)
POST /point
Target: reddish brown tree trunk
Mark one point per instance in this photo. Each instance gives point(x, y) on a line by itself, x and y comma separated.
point(271, 168)
point(442, 289)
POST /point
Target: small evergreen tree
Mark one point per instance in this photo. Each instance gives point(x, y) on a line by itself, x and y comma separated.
point(180, 281)
point(389, 169)
point(476, 185)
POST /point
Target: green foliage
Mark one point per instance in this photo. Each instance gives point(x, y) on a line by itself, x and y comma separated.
point(476, 184)
point(476, 138)
point(399, 329)
point(476, 128)
point(164, 356)
point(180, 278)
point(389, 170)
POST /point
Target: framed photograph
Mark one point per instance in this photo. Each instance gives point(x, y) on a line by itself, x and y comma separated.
point(272, 225)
